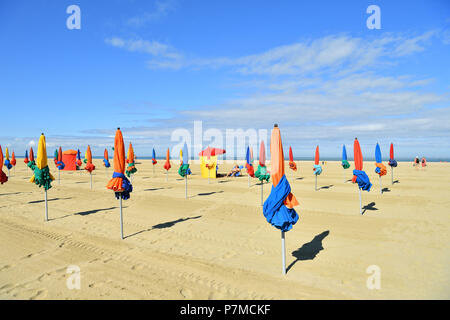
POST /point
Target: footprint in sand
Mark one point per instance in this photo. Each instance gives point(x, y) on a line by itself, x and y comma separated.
point(6, 266)
point(186, 293)
point(41, 294)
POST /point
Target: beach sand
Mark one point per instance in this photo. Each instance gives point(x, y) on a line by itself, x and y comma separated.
point(218, 245)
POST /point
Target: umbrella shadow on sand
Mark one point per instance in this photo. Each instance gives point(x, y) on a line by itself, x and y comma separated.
point(309, 250)
point(207, 193)
point(370, 206)
point(325, 187)
point(39, 201)
point(164, 225)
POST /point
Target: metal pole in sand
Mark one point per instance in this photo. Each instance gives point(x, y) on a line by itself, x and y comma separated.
point(209, 174)
point(46, 207)
point(381, 189)
point(153, 170)
point(249, 181)
point(316, 184)
point(283, 252)
point(167, 175)
point(59, 176)
point(392, 175)
point(90, 173)
point(262, 192)
point(121, 217)
point(185, 186)
point(360, 202)
point(8, 173)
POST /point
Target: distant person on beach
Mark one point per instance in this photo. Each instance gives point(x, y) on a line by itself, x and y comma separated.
point(416, 161)
point(424, 162)
point(234, 171)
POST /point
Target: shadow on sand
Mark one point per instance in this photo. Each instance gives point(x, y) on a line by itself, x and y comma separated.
point(163, 225)
point(207, 193)
point(309, 250)
point(370, 206)
point(39, 201)
point(326, 187)
point(155, 189)
point(385, 190)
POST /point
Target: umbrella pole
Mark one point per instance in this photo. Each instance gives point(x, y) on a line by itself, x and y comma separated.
point(343, 174)
point(360, 202)
point(185, 186)
point(8, 173)
point(392, 175)
point(121, 217)
point(262, 192)
point(381, 189)
point(283, 252)
point(90, 173)
point(316, 184)
point(46, 207)
point(59, 177)
point(167, 175)
point(249, 181)
point(209, 174)
point(153, 170)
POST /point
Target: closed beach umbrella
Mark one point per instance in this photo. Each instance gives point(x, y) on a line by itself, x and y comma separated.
point(26, 157)
point(167, 165)
point(278, 207)
point(41, 172)
point(31, 163)
point(359, 176)
point(249, 166)
point(89, 165)
point(154, 162)
point(392, 162)
point(106, 159)
point(345, 163)
point(184, 170)
point(292, 164)
point(119, 182)
point(8, 164)
point(3, 176)
point(13, 161)
point(261, 173)
point(79, 162)
point(317, 169)
point(380, 167)
point(131, 169)
point(31, 154)
point(60, 164)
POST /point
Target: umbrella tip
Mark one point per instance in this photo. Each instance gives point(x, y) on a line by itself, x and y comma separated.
point(275, 125)
point(118, 128)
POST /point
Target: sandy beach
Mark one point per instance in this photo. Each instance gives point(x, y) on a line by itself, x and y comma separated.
point(217, 243)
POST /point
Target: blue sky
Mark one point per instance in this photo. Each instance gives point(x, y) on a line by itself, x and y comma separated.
point(152, 67)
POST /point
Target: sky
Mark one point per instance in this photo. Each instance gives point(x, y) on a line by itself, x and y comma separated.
point(154, 68)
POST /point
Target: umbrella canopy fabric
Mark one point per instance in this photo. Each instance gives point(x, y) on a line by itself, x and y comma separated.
point(89, 165)
point(380, 167)
point(262, 173)
point(79, 162)
point(184, 168)
point(41, 176)
point(292, 164)
point(345, 163)
point(26, 157)
point(131, 169)
point(154, 157)
point(13, 159)
point(3, 176)
point(8, 164)
point(55, 157)
point(208, 152)
point(119, 182)
point(278, 207)
point(167, 165)
point(31, 154)
point(317, 169)
point(359, 176)
point(106, 159)
point(248, 164)
point(392, 161)
point(59, 163)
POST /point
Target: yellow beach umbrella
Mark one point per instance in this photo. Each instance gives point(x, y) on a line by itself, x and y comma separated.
point(41, 172)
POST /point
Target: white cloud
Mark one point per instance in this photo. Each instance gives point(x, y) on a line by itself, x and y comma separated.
point(162, 9)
